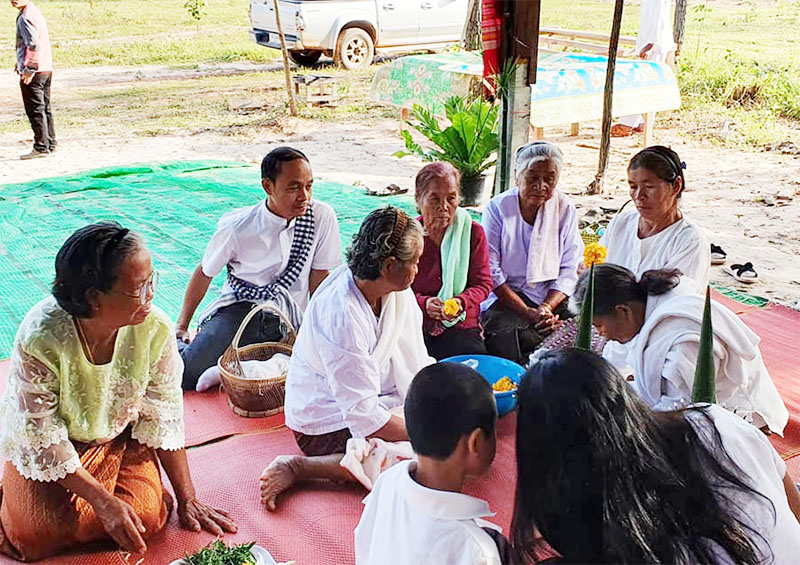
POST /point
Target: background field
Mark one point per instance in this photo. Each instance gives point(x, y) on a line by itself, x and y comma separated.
point(739, 68)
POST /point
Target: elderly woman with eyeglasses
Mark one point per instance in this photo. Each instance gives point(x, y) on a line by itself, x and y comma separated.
point(534, 252)
point(93, 405)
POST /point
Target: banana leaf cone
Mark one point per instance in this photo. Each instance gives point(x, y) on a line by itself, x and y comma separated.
point(584, 337)
point(703, 388)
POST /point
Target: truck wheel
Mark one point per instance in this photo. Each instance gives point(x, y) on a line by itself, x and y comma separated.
point(305, 58)
point(354, 49)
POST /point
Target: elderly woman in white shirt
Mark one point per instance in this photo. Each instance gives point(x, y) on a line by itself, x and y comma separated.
point(357, 351)
point(664, 312)
point(534, 252)
point(657, 235)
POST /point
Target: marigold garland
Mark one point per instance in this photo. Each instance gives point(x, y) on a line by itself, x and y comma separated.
point(594, 254)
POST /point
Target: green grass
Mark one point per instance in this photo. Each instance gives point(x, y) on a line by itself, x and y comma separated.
point(195, 105)
point(140, 32)
point(739, 68)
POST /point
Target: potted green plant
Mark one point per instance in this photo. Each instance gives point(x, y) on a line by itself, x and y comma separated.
point(469, 142)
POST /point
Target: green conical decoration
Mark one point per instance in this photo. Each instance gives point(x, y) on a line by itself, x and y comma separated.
point(584, 338)
point(703, 388)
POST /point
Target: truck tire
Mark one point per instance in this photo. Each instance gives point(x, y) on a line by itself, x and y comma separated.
point(305, 58)
point(354, 49)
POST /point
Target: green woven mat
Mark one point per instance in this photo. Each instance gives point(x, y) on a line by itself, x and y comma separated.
point(174, 206)
point(743, 297)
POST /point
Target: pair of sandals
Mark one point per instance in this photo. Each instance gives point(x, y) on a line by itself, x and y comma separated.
point(744, 273)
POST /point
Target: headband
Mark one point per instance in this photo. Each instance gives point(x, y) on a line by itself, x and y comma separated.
point(400, 222)
point(676, 167)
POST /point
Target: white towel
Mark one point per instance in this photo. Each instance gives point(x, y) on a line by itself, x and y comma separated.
point(401, 351)
point(544, 250)
point(742, 381)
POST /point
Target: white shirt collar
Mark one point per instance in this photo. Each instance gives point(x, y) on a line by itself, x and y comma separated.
point(273, 219)
point(438, 503)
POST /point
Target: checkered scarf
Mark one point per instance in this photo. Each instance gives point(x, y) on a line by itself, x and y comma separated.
point(298, 255)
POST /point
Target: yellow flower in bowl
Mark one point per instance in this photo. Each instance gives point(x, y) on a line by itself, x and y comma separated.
point(451, 307)
point(594, 254)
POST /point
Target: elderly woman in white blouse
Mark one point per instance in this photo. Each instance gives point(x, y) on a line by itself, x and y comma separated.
point(657, 234)
point(356, 353)
point(534, 252)
point(93, 406)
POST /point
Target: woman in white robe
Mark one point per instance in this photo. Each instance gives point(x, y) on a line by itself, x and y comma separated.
point(357, 351)
point(656, 235)
point(664, 312)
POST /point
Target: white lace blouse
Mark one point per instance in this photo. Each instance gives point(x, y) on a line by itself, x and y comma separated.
point(56, 396)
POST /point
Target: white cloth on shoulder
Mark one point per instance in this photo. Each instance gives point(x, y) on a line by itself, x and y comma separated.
point(544, 257)
point(664, 357)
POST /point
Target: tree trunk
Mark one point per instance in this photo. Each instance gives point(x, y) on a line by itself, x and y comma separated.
point(597, 185)
point(680, 24)
point(286, 70)
point(471, 35)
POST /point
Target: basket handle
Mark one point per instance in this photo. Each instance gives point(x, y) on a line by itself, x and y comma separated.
point(253, 311)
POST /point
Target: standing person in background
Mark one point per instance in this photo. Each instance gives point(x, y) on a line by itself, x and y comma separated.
point(653, 43)
point(34, 64)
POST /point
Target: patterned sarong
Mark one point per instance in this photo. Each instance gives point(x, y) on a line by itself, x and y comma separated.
point(42, 519)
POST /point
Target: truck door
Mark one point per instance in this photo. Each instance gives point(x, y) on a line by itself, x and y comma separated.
point(441, 21)
point(399, 21)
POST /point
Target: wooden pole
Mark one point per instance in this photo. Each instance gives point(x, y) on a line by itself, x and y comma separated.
point(286, 70)
point(471, 34)
point(680, 24)
point(597, 185)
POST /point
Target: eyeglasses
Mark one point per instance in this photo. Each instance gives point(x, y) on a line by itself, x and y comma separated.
point(146, 288)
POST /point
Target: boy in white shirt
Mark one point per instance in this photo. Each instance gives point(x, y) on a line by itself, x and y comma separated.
point(279, 251)
point(416, 512)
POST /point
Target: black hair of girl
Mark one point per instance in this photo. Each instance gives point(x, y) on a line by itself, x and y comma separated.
point(663, 162)
point(607, 480)
point(385, 232)
point(89, 261)
point(272, 162)
point(615, 285)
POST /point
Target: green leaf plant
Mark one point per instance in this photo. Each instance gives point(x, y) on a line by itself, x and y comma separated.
point(468, 142)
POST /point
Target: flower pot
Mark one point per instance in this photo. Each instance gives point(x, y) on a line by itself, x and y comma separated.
point(472, 190)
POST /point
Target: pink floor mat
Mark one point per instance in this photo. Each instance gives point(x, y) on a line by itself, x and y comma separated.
point(207, 417)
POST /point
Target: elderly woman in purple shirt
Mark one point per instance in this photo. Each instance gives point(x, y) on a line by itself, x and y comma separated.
point(534, 252)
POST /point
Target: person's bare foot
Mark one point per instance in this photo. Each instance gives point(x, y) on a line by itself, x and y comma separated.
point(280, 475)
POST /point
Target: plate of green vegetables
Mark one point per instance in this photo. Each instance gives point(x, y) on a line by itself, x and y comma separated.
point(217, 553)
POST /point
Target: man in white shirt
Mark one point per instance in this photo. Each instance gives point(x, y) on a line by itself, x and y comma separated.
point(277, 251)
point(416, 512)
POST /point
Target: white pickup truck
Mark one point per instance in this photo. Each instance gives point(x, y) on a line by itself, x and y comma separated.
point(351, 30)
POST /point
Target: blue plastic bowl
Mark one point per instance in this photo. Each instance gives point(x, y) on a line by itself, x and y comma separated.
point(493, 369)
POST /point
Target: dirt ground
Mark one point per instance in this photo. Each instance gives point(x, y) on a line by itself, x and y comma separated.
point(749, 203)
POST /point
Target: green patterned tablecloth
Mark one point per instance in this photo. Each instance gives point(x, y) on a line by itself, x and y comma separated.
point(569, 86)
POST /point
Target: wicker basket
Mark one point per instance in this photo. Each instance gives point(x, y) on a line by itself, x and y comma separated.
point(254, 398)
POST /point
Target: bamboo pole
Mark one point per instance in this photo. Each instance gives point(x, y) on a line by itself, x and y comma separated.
point(597, 185)
point(680, 24)
point(286, 70)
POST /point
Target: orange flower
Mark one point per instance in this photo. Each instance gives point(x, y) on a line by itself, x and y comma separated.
point(451, 307)
point(594, 254)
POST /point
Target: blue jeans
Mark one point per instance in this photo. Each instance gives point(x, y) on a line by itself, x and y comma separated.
point(216, 335)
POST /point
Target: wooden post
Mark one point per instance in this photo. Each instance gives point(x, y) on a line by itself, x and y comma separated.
point(286, 70)
point(597, 185)
point(680, 24)
point(649, 121)
point(471, 34)
point(575, 129)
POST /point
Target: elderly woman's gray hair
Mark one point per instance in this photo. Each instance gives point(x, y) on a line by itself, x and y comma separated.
point(385, 232)
point(437, 170)
point(537, 151)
